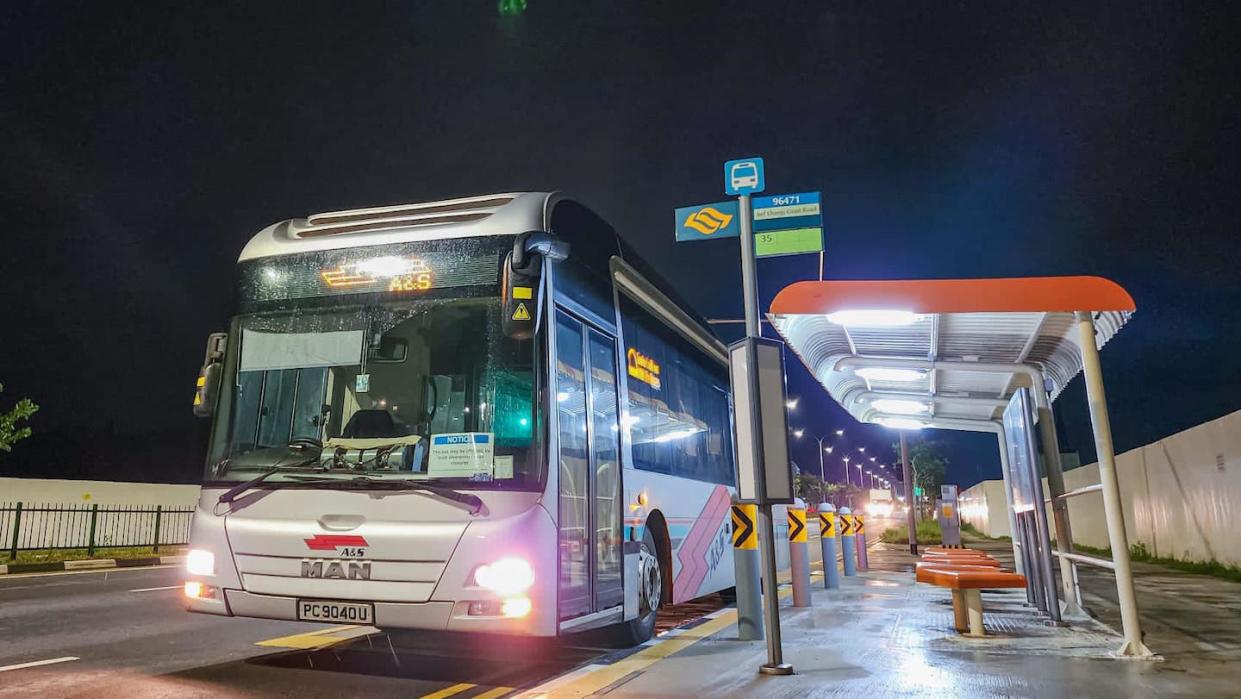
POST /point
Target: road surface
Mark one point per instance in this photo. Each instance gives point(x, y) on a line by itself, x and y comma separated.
point(123, 633)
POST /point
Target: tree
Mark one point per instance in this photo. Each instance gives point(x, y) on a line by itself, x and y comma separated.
point(10, 432)
point(929, 465)
point(810, 488)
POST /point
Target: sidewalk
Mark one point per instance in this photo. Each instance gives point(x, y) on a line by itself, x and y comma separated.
point(89, 564)
point(883, 635)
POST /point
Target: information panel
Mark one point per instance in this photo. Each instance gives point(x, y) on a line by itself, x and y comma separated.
point(788, 224)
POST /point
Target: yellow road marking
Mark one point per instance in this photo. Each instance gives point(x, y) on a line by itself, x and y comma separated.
point(318, 639)
point(449, 691)
point(492, 694)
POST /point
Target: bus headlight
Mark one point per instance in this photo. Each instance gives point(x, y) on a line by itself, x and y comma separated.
point(507, 576)
point(200, 562)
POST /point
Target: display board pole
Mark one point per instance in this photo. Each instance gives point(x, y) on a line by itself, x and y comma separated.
point(766, 535)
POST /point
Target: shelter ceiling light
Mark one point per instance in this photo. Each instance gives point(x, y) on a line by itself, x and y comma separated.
point(874, 318)
point(900, 423)
point(879, 373)
point(899, 406)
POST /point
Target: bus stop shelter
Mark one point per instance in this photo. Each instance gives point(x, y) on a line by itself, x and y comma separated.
point(949, 354)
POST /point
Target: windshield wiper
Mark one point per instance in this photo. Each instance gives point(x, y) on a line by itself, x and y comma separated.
point(473, 502)
point(232, 493)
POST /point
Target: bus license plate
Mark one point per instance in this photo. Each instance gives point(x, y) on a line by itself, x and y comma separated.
point(340, 612)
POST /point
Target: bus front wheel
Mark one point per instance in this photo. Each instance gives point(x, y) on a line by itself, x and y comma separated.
point(650, 594)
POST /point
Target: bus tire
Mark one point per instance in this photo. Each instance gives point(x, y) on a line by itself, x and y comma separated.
point(650, 595)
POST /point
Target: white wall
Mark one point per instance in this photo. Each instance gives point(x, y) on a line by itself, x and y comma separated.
point(983, 506)
point(1181, 496)
point(67, 492)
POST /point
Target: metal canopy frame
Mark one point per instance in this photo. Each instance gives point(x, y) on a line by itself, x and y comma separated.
point(949, 354)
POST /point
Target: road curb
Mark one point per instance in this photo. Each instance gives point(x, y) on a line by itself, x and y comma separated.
point(90, 564)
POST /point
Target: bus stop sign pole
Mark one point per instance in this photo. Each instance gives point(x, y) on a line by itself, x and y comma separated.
point(744, 178)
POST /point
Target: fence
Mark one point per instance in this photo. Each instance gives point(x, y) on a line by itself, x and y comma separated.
point(26, 526)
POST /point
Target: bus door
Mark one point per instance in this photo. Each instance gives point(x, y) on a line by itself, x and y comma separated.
point(590, 541)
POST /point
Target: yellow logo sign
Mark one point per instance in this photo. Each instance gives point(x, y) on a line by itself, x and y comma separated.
point(521, 313)
point(708, 220)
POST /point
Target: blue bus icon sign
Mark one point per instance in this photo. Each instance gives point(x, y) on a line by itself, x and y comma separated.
point(744, 176)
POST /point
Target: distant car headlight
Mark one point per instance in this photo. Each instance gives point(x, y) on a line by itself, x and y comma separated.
point(879, 509)
point(507, 576)
point(200, 562)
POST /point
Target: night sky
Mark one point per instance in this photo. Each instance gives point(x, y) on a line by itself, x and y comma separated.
point(141, 147)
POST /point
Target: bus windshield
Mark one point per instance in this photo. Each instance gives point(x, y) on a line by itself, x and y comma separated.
point(400, 389)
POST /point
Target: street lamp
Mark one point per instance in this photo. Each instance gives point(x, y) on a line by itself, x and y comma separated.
point(822, 449)
point(847, 481)
point(840, 433)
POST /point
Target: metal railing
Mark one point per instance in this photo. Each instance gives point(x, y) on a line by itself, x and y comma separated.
point(1072, 555)
point(26, 526)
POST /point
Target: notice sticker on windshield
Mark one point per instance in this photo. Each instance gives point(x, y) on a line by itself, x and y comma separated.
point(461, 455)
point(362, 384)
point(504, 466)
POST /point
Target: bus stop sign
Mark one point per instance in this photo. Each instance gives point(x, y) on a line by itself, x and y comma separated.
point(744, 176)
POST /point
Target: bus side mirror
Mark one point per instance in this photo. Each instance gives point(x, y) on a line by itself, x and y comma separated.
point(521, 288)
point(208, 386)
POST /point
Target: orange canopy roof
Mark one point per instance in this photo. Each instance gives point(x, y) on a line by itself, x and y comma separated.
point(1028, 294)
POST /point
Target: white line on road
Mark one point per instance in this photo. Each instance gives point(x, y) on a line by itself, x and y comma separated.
point(104, 573)
point(153, 589)
point(36, 663)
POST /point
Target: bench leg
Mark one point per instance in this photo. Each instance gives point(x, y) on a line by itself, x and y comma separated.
point(959, 617)
point(973, 606)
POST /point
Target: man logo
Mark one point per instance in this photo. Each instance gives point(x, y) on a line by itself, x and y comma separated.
point(336, 570)
point(708, 220)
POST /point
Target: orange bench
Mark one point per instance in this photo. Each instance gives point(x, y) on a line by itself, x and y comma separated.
point(937, 556)
point(926, 565)
point(966, 582)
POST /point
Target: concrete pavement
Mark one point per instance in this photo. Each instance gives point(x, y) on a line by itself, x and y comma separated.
point(883, 635)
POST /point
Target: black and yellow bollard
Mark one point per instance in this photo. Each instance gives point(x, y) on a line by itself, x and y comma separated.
point(746, 566)
point(827, 540)
point(859, 532)
point(847, 539)
point(799, 556)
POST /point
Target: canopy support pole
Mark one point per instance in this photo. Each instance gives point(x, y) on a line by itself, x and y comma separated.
point(1112, 507)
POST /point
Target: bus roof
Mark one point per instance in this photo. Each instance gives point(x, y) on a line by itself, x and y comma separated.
point(491, 214)
point(509, 213)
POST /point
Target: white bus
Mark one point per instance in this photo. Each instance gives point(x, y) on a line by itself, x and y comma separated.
point(480, 414)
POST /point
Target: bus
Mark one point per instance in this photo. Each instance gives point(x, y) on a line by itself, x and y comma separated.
point(482, 414)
